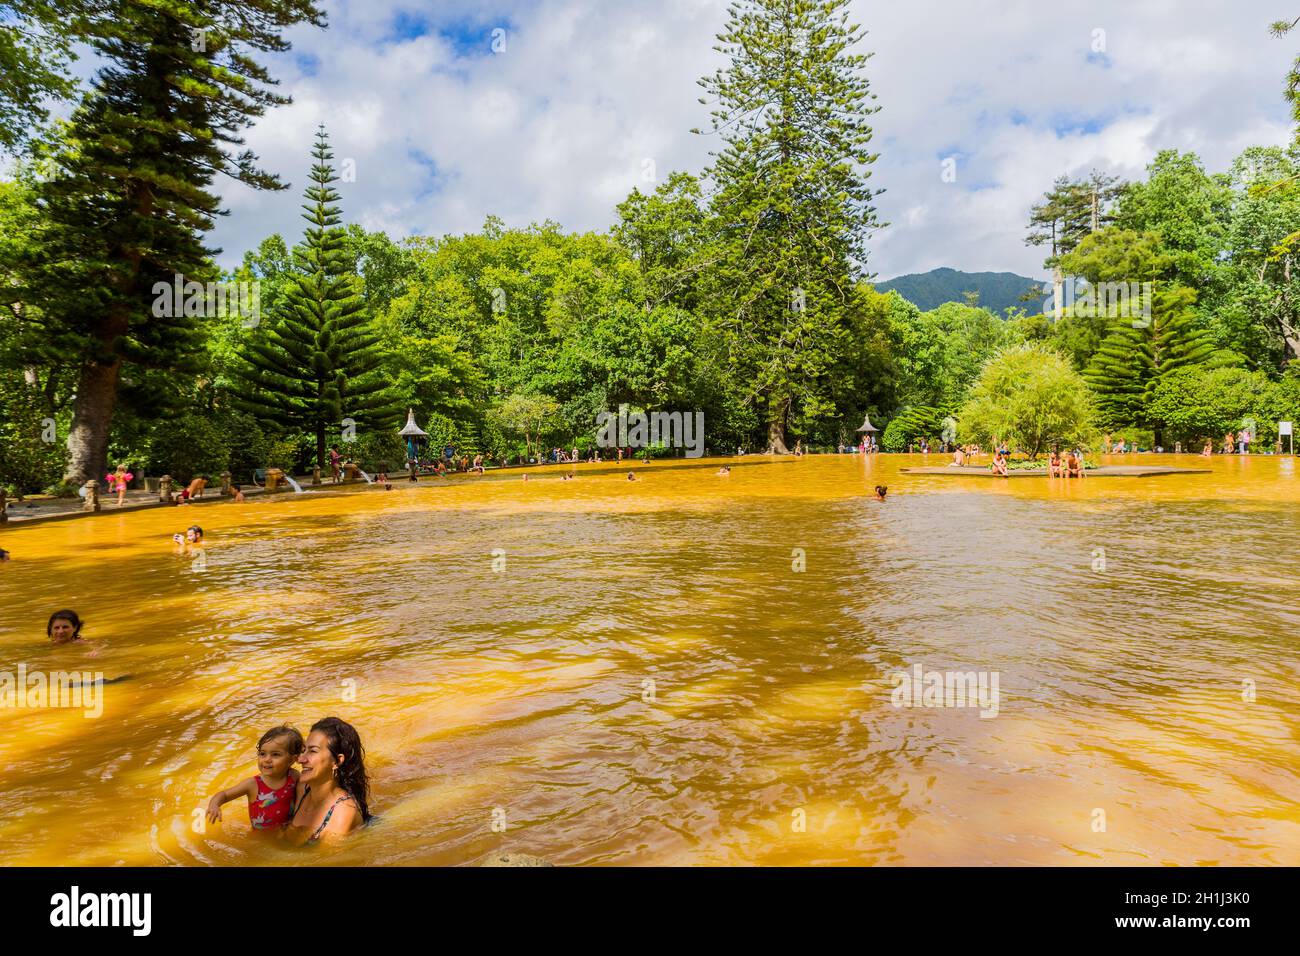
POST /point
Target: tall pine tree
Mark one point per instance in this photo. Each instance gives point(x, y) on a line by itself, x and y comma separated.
point(1136, 356)
point(129, 195)
point(792, 205)
point(320, 362)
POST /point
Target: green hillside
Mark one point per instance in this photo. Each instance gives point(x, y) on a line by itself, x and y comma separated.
point(998, 291)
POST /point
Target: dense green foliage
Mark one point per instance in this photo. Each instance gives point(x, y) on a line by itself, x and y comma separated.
point(792, 205)
point(127, 197)
point(1029, 397)
point(318, 366)
point(742, 292)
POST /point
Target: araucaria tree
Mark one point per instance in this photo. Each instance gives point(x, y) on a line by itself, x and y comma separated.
point(791, 202)
point(319, 363)
point(129, 197)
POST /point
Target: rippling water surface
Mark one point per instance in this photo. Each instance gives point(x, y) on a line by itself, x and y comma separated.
point(649, 681)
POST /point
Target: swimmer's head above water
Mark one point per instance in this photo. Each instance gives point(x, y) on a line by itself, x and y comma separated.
point(333, 751)
point(64, 627)
point(277, 750)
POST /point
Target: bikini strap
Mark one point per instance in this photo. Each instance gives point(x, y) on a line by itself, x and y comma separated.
point(329, 813)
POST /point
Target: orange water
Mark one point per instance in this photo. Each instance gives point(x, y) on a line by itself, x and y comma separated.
point(768, 734)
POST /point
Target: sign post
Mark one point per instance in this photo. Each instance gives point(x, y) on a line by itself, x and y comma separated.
point(1284, 428)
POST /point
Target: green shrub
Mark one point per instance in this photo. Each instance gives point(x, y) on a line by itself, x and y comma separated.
point(283, 453)
point(918, 421)
point(376, 451)
point(248, 441)
point(1029, 397)
point(28, 463)
point(187, 446)
point(1196, 403)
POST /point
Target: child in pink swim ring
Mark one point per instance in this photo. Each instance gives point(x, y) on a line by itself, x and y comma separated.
point(118, 481)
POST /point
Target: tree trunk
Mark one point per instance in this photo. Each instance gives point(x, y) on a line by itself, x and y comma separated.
point(776, 431)
point(320, 445)
point(92, 419)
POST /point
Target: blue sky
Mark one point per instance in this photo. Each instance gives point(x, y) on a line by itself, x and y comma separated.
point(556, 109)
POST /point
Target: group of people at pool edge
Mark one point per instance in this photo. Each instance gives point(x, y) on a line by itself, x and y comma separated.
point(118, 481)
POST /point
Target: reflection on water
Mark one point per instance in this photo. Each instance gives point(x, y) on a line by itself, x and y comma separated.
point(647, 680)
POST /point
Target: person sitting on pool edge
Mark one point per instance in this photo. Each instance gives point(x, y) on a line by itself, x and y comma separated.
point(1054, 464)
point(333, 788)
point(64, 627)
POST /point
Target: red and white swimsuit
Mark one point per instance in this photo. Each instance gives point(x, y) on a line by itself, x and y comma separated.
point(273, 808)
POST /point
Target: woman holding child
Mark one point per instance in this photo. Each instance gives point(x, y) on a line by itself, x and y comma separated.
point(329, 798)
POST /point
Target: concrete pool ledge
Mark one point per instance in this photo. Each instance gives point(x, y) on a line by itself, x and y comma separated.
point(1105, 471)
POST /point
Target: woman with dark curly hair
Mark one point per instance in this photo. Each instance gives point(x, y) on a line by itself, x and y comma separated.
point(334, 793)
point(64, 627)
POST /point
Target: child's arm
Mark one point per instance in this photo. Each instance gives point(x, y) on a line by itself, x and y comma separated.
point(246, 789)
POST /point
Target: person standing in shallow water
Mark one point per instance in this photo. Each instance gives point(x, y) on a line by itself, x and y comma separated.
point(333, 788)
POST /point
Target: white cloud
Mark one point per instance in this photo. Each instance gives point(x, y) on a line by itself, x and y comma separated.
point(559, 123)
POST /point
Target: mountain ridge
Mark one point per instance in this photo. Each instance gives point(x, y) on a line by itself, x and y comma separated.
point(998, 291)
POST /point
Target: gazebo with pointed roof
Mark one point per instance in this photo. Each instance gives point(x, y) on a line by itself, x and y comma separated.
point(415, 435)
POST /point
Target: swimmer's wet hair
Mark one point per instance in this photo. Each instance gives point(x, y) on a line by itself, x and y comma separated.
point(196, 529)
point(343, 740)
point(65, 615)
point(292, 738)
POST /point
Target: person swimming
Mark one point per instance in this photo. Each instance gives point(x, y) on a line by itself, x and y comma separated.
point(193, 535)
point(724, 470)
point(881, 491)
point(4, 555)
point(64, 627)
point(631, 477)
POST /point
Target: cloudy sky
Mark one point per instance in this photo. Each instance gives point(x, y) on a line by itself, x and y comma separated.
point(536, 109)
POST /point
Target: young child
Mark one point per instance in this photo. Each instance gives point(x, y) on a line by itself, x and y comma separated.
point(118, 481)
point(271, 793)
